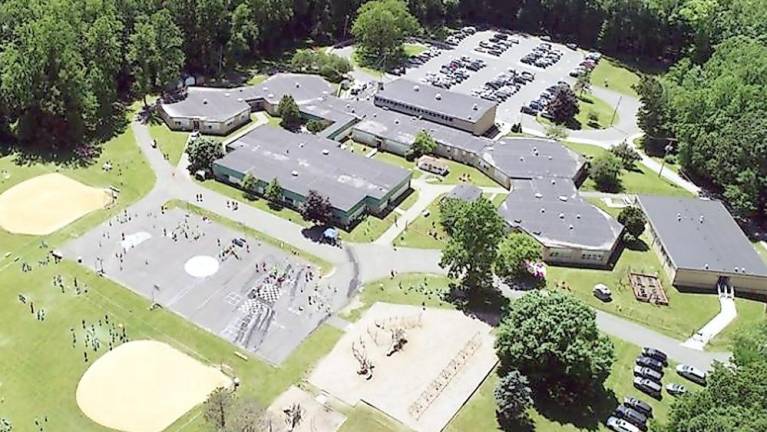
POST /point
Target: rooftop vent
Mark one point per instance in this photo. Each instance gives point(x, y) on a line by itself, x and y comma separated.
point(475, 107)
point(543, 210)
point(298, 84)
point(294, 173)
point(553, 181)
point(539, 195)
point(416, 88)
point(270, 96)
point(396, 121)
point(227, 94)
point(325, 152)
point(705, 266)
point(577, 216)
point(204, 101)
point(438, 96)
point(571, 227)
point(348, 106)
point(679, 217)
point(550, 157)
point(563, 198)
point(518, 221)
point(561, 215)
point(521, 158)
point(239, 99)
point(700, 219)
point(300, 145)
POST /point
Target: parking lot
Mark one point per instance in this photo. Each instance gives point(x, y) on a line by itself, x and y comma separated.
point(508, 110)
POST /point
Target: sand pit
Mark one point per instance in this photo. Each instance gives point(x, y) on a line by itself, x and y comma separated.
point(144, 386)
point(47, 203)
point(316, 416)
point(446, 357)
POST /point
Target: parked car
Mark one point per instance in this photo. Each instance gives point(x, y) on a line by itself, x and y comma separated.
point(620, 425)
point(646, 372)
point(692, 373)
point(632, 416)
point(638, 405)
point(656, 354)
point(675, 389)
point(650, 363)
point(648, 386)
point(527, 109)
point(572, 46)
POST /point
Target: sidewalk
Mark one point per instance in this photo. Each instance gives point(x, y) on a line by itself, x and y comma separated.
point(726, 315)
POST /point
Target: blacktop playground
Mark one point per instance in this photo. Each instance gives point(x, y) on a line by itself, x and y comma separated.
point(254, 295)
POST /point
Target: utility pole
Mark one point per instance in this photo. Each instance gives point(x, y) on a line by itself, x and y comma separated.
point(666, 149)
point(615, 111)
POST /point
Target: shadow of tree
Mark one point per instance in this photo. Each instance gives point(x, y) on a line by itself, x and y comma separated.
point(487, 304)
point(584, 410)
point(636, 244)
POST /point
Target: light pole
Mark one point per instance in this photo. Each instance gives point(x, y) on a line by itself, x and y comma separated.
point(615, 111)
point(666, 149)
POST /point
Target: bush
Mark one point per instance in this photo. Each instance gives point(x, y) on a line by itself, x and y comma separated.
point(331, 66)
point(315, 126)
point(606, 171)
point(670, 159)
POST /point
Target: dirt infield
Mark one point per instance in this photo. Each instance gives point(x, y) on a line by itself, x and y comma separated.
point(144, 386)
point(446, 357)
point(47, 203)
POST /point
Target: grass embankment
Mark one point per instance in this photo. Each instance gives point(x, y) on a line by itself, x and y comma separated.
point(171, 143)
point(610, 74)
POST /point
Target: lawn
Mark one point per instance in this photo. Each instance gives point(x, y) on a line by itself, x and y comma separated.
point(257, 79)
point(357, 148)
point(479, 412)
point(750, 313)
point(272, 121)
point(357, 64)
point(762, 251)
point(411, 288)
point(393, 159)
point(587, 104)
point(364, 418)
point(413, 49)
point(171, 143)
point(640, 180)
point(259, 203)
point(409, 201)
point(425, 232)
point(323, 265)
point(457, 171)
point(369, 229)
point(612, 75)
point(685, 313)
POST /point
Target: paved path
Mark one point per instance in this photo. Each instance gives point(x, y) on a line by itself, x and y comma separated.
point(356, 264)
point(726, 315)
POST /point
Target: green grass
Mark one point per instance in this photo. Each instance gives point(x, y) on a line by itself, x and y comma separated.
point(323, 265)
point(412, 288)
point(369, 229)
point(459, 171)
point(762, 251)
point(425, 232)
point(479, 412)
point(749, 313)
point(171, 143)
point(640, 180)
point(498, 199)
point(357, 64)
point(413, 49)
point(259, 203)
point(685, 313)
point(399, 161)
point(409, 201)
point(612, 75)
point(364, 418)
point(604, 111)
point(357, 148)
point(257, 79)
point(272, 121)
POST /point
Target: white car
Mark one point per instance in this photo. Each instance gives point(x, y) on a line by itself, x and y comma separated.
point(620, 425)
point(692, 373)
point(602, 292)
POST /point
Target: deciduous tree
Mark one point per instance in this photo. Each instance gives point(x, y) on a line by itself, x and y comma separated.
point(273, 192)
point(316, 208)
point(202, 153)
point(380, 29)
point(515, 251)
point(289, 113)
point(512, 399)
point(632, 217)
point(423, 144)
point(564, 106)
point(605, 170)
point(627, 154)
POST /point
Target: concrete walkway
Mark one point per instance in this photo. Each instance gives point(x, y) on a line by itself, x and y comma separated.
point(726, 315)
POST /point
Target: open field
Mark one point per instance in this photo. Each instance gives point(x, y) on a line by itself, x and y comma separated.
point(366, 418)
point(425, 232)
point(171, 143)
point(588, 104)
point(750, 313)
point(479, 413)
point(412, 49)
point(640, 180)
point(611, 74)
point(369, 229)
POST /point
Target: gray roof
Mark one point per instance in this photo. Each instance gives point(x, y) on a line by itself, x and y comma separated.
point(205, 103)
point(533, 157)
point(303, 87)
point(453, 104)
point(552, 211)
point(403, 128)
point(465, 192)
point(318, 164)
point(700, 234)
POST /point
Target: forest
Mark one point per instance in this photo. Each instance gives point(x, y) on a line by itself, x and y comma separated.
point(65, 65)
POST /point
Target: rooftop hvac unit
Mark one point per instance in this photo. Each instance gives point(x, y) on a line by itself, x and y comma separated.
point(543, 210)
point(438, 96)
point(227, 94)
point(298, 84)
point(415, 88)
point(475, 107)
point(325, 152)
point(561, 215)
point(538, 195)
point(571, 227)
point(563, 198)
point(204, 101)
point(294, 173)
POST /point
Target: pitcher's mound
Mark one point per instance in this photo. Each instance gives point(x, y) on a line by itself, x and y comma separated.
point(145, 386)
point(47, 203)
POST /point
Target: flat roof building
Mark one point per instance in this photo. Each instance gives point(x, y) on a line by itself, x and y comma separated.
point(701, 245)
point(355, 185)
point(464, 192)
point(442, 106)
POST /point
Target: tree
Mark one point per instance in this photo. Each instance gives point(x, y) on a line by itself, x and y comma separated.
point(556, 132)
point(316, 208)
point(605, 170)
point(248, 185)
point(627, 154)
point(514, 252)
point(331, 66)
point(564, 106)
point(652, 115)
point(473, 246)
point(155, 53)
point(633, 219)
point(273, 192)
point(315, 126)
point(202, 153)
point(216, 408)
point(583, 83)
point(380, 29)
point(552, 338)
point(247, 415)
point(450, 210)
point(750, 345)
point(289, 113)
point(423, 144)
point(512, 399)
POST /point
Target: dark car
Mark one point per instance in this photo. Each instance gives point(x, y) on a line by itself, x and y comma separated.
point(239, 241)
point(638, 405)
point(635, 417)
point(648, 386)
point(656, 354)
point(650, 363)
point(646, 372)
point(529, 110)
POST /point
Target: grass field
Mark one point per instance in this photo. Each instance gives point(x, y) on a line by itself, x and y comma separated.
point(323, 265)
point(479, 413)
point(409, 201)
point(425, 232)
point(750, 313)
point(411, 288)
point(612, 75)
point(591, 104)
point(364, 418)
point(762, 251)
point(369, 229)
point(640, 180)
point(171, 143)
